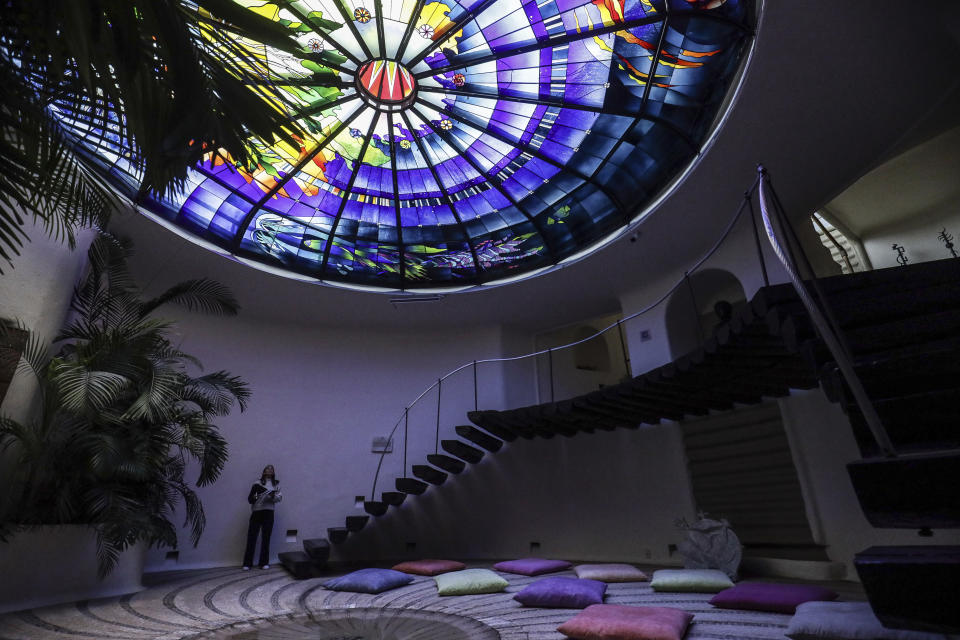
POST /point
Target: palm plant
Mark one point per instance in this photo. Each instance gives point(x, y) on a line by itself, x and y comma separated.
point(121, 416)
point(167, 75)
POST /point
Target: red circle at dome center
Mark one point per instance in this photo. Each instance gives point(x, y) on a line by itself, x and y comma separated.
point(386, 81)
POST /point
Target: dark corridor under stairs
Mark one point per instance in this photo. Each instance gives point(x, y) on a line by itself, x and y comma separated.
point(902, 326)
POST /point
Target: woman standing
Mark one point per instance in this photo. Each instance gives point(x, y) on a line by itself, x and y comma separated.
point(264, 495)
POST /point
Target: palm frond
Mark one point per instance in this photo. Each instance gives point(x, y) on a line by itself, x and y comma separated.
point(82, 390)
point(204, 295)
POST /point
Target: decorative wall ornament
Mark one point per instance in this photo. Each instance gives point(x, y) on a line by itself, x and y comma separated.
point(901, 254)
point(947, 240)
point(710, 544)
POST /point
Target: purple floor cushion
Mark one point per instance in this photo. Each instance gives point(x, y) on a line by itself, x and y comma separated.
point(846, 621)
point(562, 593)
point(429, 567)
point(622, 622)
point(531, 566)
point(369, 581)
point(779, 598)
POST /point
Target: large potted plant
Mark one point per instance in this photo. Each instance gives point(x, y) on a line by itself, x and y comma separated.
point(121, 415)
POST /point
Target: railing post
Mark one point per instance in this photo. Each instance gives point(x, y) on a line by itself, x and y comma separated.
point(696, 310)
point(550, 357)
point(406, 429)
point(476, 403)
point(756, 238)
point(623, 348)
point(436, 444)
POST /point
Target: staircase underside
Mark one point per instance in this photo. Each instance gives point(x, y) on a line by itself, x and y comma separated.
point(755, 356)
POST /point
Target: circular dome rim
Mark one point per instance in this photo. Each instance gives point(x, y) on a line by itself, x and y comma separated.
point(732, 82)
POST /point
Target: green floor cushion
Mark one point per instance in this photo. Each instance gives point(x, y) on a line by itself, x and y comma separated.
point(468, 582)
point(690, 581)
point(610, 572)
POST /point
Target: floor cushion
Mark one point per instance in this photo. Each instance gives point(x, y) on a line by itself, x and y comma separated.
point(429, 567)
point(622, 622)
point(531, 566)
point(766, 596)
point(846, 621)
point(469, 581)
point(369, 581)
point(690, 580)
point(562, 593)
point(610, 572)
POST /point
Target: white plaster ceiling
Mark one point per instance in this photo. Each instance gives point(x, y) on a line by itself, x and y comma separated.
point(832, 87)
point(915, 182)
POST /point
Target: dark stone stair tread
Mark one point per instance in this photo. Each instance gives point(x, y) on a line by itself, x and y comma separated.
point(909, 491)
point(487, 420)
point(393, 498)
point(318, 549)
point(462, 450)
point(479, 438)
point(446, 463)
point(375, 508)
point(410, 485)
point(337, 534)
point(356, 523)
point(298, 563)
point(429, 474)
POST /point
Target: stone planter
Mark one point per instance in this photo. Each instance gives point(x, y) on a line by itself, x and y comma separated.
point(58, 563)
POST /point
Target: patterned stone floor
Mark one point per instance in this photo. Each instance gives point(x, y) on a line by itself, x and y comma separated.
point(218, 604)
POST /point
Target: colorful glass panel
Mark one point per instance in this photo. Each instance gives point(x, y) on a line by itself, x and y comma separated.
point(455, 142)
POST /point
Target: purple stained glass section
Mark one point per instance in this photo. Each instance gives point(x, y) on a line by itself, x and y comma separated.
point(472, 141)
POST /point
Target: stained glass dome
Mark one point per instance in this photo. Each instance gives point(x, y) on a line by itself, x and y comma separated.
point(460, 142)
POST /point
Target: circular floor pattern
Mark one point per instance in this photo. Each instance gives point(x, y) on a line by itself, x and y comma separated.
point(359, 624)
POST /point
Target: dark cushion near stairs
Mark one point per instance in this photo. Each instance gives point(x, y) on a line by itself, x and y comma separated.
point(369, 581)
point(297, 563)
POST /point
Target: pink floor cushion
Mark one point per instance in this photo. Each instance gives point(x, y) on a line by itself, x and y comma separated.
point(369, 581)
point(610, 572)
point(778, 598)
point(562, 593)
point(622, 622)
point(531, 566)
point(429, 567)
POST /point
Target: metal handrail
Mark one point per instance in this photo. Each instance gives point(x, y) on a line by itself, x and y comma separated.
point(696, 265)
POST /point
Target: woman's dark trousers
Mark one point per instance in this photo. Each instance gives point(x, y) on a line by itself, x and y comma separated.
point(261, 522)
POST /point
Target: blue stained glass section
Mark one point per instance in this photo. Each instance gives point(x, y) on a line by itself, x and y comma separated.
point(487, 138)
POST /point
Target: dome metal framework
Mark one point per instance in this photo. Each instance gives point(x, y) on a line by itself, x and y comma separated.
point(453, 143)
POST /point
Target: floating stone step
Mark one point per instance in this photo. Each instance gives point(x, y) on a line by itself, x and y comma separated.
point(451, 465)
point(429, 474)
point(318, 549)
point(297, 563)
point(490, 421)
point(410, 485)
point(479, 438)
point(375, 508)
point(337, 535)
point(393, 498)
point(355, 523)
point(462, 450)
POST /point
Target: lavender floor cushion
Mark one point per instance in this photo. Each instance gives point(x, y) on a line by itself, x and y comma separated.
point(621, 622)
point(778, 598)
point(690, 581)
point(610, 572)
point(562, 593)
point(846, 621)
point(531, 566)
point(369, 581)
point(429, 567)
